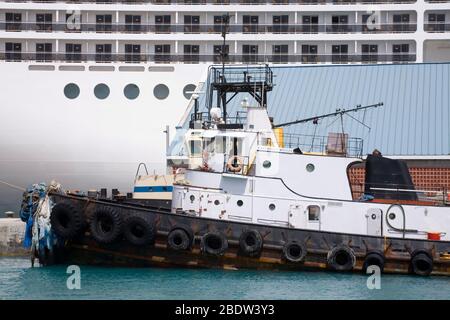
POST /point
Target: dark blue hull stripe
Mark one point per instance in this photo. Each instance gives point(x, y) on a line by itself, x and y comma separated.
point(154, 189)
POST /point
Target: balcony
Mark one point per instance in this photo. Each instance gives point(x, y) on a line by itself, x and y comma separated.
point(198, 58)
point(214, 28)
point(437, 27)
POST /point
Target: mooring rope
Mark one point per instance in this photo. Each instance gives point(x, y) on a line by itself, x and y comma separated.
point(12, 186)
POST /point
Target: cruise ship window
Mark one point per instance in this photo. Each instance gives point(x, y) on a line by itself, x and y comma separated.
point(132, 23)
point(310, 24)
point(400, 52)
point(339, 53)
point(103, 23)
point(103, 52)
point(13, 21)
point(280, 53)
point(369, 53)
point(280, 24)
point(191, 24)
point(161, 91)
point(309, 53)
point(44, 52)
point(191, 53)
point(436, 22)
point(339, 23)
point(162, 53)
point(249, 53)
point(401, 22)
point(162, 23)
point(44, 22)
point(217, 49)
point(73, 52)
point(13, 51)
point(132, 53)
point(218, 23)
point(250, 24)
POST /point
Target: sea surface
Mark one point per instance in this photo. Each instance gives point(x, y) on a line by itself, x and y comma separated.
point(18, 280)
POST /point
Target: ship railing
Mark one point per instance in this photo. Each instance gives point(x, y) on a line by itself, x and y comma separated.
point(227, 2)
point(76, 57)
point(239, 118)
point(216, 28)
point(437, 195)
point(437, 27)
point(252, 74)
point(332, 145)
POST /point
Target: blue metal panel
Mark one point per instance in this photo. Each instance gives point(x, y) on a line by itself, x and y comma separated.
point(413, 121)
point(153, 189)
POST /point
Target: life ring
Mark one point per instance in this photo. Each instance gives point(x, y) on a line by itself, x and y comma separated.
point(341, 258)
point(106, 225)
point(294, 251)
point(66, 220)
point(179, 239)
point(232, 167)
point(421, 262)
point(214, 243)
point(139, 230)
point(251, 243)
point(373, 258)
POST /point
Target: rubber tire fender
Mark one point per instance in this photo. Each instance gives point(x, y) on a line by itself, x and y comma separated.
point(139, 230)
point(214, 243)
point(294, 251)
point(341, 258)
point(374, 258)
point(66, 220)
point(421, 262)
point(106, 225)
point(179, 239)
point(254, 248)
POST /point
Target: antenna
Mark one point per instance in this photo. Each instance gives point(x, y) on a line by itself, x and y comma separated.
point(338, 112)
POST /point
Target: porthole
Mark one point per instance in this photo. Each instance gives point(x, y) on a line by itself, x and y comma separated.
point(161, 91)
point(101, 91)
point(392, 216)
point(192, 198)
point(71, 91)
point(267, 164)
point(131, 91)
point(272, 207)
point(310, 167)
point(240, 203)
point(188, 89)
point(216, 202)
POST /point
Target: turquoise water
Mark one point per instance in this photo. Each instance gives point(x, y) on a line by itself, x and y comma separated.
point(19, 281)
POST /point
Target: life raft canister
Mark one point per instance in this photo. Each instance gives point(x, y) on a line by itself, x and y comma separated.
point(214, 243)
point(341, 258)
point(106, 225)
point(374, 258)
point(180, 238)
point(294, 251)
point(421, 262)
point(251, 243)
point(139, 230)
point(66, 220)
point(234, 167)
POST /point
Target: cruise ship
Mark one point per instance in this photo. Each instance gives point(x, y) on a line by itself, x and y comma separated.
point(108, 80)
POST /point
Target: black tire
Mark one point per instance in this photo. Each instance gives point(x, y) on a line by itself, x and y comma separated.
point(139, 230)
point(214, 243)
point(178, 239)
point(294, 251)
point(421, 263)
point(341, 258)
point(66, 220)
point(251, 243)
point(106, 225)
point(373, 258)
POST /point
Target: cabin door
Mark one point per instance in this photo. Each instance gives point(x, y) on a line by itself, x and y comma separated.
point(216, 206)
point(296, 217)
point(374, 218)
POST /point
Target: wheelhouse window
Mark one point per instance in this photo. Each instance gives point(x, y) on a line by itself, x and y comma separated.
point(191, 53)
point(249, 53)
point(280, 53)
point(103, 23)
point(44, 22)
point(309, 53)
point(132, 52)
point(103, 52)
point(280, 23)
point(191, 24)
point(132, 23)
point(73, 52)
point(369, 53)
point(310, 24)
point(217, 49)
point(13, 51)
point(339, 53)
point(250, 24)
point(313, 213)
point(44, 52)
point(13, 21)
point(162, 23)
point(162, 53)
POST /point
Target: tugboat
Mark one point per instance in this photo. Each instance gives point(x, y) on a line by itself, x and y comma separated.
point(245, 196)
